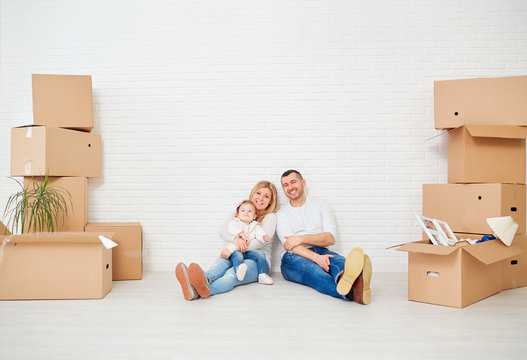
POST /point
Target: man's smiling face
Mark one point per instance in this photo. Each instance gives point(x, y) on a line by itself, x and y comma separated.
point(293, 186)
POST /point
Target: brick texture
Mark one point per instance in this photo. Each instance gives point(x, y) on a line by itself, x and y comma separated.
point(198, 100)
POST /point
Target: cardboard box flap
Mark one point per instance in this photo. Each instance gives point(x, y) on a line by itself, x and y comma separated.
point(427, 248)
point(491, 251)
point(4, 230)
point(505, 132)
point(59, 237)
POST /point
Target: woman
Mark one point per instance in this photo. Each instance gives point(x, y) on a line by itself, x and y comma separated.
point(221, 277)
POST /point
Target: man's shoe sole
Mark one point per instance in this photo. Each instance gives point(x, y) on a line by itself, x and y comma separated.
point(361, 287)
point(352, 268)
point(197, 279)
point(182, 277)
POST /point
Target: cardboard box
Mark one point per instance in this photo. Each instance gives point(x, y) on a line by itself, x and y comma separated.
point(514, 269)
point(63, 101)
point(465, 207)
point(77, 187)
point(55, 266)
point(36, 150)
point(128, 256)
point(455, 276)
point(487, 154)
point(492, 101)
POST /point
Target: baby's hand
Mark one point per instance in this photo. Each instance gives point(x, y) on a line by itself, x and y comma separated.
point(266, 238)
point(225, 253)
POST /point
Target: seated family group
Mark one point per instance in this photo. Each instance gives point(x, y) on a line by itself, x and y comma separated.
point(306, 226)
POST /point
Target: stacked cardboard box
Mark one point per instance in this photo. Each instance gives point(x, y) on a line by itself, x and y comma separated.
point(485, 119)
point(60, 144)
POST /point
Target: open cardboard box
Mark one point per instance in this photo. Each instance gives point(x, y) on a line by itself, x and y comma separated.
point(54, 266)
point(490, 101)
point(455, 276)
point(465, 207)
point(37, 150)
point(127, 258)
point(63, 101)
point(77, 187)
point(487, 154)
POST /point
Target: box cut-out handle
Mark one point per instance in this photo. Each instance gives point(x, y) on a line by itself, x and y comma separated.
point(514, 209)
point(432, 274)
point(514, 262)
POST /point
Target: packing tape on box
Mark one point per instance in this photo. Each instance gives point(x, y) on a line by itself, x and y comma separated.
point(107, 243)
point(2, 246)
point(29, 133)
point(27, 167)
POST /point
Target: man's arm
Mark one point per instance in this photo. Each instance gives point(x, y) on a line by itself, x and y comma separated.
point(324, 239)
point(320, 260)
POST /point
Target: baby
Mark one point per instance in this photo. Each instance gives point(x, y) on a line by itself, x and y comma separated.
point(244, 223)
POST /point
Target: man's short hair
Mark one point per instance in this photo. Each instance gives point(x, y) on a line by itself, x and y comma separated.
point(291, 171)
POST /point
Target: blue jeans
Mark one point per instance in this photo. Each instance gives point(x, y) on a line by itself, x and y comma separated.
point(222, 277)
point(304, 271)
point(258, 256)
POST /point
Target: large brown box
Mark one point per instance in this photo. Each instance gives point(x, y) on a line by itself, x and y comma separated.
point(127, 256)
point(77, 187)
point(491, 101)
point(36, 150)
point(465, 207)
point(55, 266)
point(63, 101)
point(455, 276)
point(487, 154)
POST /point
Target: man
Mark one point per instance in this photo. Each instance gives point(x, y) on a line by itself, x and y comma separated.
point(306, 227)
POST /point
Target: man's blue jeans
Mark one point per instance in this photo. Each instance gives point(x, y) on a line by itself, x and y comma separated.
point(222, 277)
point(258, 256)
point(304, 271)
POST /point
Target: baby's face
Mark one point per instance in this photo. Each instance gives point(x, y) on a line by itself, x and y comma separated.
point(246, 213)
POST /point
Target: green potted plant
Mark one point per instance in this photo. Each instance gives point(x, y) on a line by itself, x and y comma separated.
point(37, 207)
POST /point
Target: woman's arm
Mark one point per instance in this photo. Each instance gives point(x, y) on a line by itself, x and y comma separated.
point(269, 224)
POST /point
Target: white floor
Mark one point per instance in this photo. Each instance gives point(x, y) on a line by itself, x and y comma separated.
point(148, 319)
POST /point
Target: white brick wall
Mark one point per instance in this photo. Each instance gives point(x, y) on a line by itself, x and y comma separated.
point(198, 100)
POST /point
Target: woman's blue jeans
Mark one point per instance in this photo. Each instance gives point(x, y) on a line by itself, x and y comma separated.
point(222, 277)
point(238, 257)
point(304, 271)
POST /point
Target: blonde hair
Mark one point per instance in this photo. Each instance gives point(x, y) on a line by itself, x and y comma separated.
point(274, 198)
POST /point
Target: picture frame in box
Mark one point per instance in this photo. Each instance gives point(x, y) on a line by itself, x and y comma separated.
point(445, 230)
point(432, 230)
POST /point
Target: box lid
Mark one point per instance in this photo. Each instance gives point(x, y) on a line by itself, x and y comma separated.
point(58, 237)
point(503, 131)
point(489, 252)
point(425, 247)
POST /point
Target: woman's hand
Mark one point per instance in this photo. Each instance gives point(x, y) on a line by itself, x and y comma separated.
point(266, 238)
point(226, 254)
point(241, 241)
point(323, 261)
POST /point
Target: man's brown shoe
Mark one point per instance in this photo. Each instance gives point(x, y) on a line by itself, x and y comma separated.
point(352, 268)
point(199, 280)
point(189, 293)
point(361, 286)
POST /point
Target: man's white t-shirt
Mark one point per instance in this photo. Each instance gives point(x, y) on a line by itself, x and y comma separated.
point(315, 216)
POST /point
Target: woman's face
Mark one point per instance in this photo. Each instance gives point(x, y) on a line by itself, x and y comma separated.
point(262, 198)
